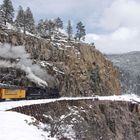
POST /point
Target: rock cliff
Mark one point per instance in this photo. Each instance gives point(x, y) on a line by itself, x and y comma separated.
point(78, 69)
point(87, 119)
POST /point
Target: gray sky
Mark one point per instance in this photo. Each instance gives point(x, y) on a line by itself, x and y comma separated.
point(114, 25)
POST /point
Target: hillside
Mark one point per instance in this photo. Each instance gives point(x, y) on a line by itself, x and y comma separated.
point(85, 79)
point(129, 66)
point(90, 118)
point(75, 68)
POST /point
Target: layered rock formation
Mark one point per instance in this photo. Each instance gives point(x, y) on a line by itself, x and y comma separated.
point(78, 68)
point(87, 119)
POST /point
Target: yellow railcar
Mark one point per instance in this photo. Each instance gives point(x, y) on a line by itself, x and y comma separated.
point(16, 92)
point(12, 93)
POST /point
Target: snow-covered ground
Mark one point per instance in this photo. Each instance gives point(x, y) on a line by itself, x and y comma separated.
point(16, 126)
point(12, 104)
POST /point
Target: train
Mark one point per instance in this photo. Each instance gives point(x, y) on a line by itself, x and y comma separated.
point(18, 93)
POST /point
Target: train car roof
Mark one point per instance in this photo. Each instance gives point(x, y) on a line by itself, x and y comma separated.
point(11, 86)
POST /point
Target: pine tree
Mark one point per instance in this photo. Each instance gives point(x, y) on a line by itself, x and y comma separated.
point(29, 21)
point(1, 16)
point(58, 23)
point(51, 27)
point(20, 19)
point(41, 28)
point(46, 26)
point(80, 31)
point(69, 30)
point(8, 11)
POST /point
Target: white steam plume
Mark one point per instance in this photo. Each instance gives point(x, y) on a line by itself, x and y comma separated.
point(33, 71)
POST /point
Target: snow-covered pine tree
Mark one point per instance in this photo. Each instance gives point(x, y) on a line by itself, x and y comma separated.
point(69, 30)
point(59, 23)
point(81, 32)
point(41, 28)
point(8, 11)
point(46, 27)
point(20, 19)
point(51, 27)
point(29, 21)
point(1, 16)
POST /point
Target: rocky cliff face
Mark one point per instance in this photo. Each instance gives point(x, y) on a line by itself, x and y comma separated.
point(87, 119)
point(78, 68)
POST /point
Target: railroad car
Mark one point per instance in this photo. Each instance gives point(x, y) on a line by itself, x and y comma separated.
point(15, 92)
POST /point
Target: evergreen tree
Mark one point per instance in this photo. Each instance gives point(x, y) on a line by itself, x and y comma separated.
point(20, 19)
point(58, 23)
point(69, 30)
point(41, 28)
point(51, 27)
point(29, 21)
point(46, 26)
point(1, 16)
point(80, 31)
point(8, 11)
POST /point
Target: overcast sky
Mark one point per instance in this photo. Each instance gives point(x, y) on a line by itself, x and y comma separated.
point(114, 25)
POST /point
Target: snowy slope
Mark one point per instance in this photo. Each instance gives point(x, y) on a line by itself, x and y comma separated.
point(16, 127)
point(127, 61)
point(129, 69)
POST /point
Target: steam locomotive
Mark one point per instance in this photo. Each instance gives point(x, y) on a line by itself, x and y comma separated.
point(16, 92)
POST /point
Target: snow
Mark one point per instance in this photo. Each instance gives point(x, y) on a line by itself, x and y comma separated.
point(45, 63)
point(125, 97)
point(19, 127)
point(10, 27)
point(67, 46)
point(62, 31)
point(129, 69)
point(55, 69)
point(67, 131)
point(12, 104)
point(28, 33)
point(63, 40)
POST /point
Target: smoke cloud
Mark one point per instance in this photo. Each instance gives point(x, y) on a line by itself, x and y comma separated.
point(34, 72)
